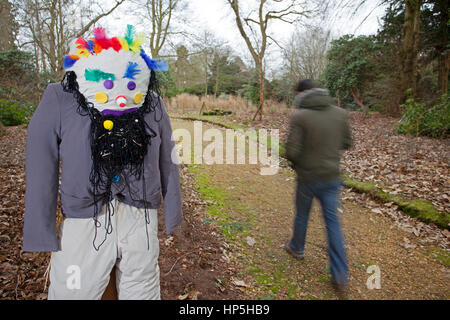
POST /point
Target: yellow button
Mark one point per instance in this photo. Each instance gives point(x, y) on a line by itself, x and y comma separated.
point(137, 98)
point(108, 124)
point(101, 97)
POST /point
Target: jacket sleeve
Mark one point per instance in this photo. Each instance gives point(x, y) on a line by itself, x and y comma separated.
point(170, 175)
point(294, 141)
point(347, 141)
point(41, 173)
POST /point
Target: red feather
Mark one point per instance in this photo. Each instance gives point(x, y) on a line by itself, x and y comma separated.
point(115, 43)
point(81, 43)
point(99, 33)
point(104, 43)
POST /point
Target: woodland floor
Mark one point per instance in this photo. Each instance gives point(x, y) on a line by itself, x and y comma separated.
point(236, 221)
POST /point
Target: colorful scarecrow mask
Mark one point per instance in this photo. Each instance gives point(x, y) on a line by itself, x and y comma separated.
point(115, 84)
point(112, 73)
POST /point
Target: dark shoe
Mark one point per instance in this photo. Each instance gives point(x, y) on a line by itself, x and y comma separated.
point(296, 255)
point(342, 290)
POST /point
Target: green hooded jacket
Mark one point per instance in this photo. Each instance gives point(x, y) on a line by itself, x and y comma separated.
point(318, 131)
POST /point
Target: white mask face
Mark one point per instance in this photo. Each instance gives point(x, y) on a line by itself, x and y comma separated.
point(112, 73)
point(113, 80)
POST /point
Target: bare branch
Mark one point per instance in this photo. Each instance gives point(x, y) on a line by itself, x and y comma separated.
point(275, 41)
point(93, 21)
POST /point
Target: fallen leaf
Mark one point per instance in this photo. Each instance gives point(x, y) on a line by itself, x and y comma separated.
point(183, 296)
point(250, 241)
point(240, 283)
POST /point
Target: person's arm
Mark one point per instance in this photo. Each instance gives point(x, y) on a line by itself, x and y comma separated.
point(297, 101)
point(170, 175)
point(294, 141)
point(347, 137)
point(41, 171)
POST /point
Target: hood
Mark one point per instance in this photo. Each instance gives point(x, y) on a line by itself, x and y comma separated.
point(316, 99)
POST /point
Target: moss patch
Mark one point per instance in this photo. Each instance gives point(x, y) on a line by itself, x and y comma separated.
point(360, 186)
point(421, 209)
point(218, 204)
point(442, 256)
point(276, 280)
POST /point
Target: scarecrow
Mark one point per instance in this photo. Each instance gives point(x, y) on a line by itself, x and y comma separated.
point(107, 125)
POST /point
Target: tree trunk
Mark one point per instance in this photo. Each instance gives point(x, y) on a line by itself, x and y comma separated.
point(217, 78)
point(206, 73)
point(36, 61)
point(444, 56)
point(2, 129)
point(359, 101)
point(261, 89)
point(61, 47)
point(51, 36)
point(6, 33)
point(259, 111)
point(411, 29)
point(39, 34)
point(444, 66)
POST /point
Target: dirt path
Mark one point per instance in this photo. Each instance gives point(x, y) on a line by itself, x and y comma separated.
point(255, 214)
point(213, 255)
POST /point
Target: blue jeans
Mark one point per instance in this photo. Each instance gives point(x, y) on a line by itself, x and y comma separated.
point(328, 195)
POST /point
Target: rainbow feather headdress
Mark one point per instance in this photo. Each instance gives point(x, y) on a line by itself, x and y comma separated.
point(112, 73)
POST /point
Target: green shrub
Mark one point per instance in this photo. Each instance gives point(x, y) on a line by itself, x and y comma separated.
point(13, 114)
point(196, 89)
point(437, 119)
point(418, 120)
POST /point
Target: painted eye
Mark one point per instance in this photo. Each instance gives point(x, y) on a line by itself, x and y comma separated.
point(131, 85)
point(108, 84)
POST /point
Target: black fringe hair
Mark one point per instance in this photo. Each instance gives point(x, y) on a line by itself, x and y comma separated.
point(123, 148)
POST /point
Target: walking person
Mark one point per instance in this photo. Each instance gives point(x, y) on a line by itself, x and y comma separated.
point(317, 134)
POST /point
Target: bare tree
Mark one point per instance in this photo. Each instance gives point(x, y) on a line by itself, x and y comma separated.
point(48, 25)
point(207, 44)
point(160, 15)
point(254, 29)
point(306, 53)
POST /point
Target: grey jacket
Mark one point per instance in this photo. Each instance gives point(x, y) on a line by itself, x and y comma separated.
point(57, 132)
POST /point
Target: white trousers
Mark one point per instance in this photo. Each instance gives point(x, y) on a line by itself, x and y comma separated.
point(80, 272)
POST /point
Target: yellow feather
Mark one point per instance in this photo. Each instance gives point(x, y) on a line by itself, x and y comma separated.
point(83, 53)
point(135, 47)
point(124, 44)
point(138, 40)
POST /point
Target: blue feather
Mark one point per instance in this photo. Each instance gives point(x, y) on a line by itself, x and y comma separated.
point(69, 62)
point(154, 64)
point(132, 70)
point(90, 46)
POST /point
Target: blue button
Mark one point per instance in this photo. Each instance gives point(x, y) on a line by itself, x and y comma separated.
point(116, 178)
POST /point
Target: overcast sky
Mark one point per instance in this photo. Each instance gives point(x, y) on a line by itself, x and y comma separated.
point(217, 17)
